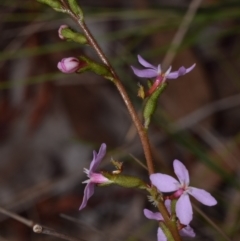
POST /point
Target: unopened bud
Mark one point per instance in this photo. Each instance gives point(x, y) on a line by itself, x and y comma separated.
point(60, 31)
point(64, 32)
point(69, 65)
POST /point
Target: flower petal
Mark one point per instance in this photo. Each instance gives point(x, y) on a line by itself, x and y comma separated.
point(146, 64)
point(160, 235)
point(181, 71)
point(187, 232)
point(144, 73)
point(168, 71)
point(167, 203)
point(181, 172)
point(88, 192)
point(151, 215)
point(164, 183)
point(202, 196)
point(184, 209)
point(190, 68)
point(97, 158)
point(172, 75)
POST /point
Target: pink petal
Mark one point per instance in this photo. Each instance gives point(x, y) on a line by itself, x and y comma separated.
point(164, 183)
point(181, 172)
point(167, 203)
point(160, 235)
point(184, 209)
point(190, 68)
point(181, 71)
point(97, 158)
point(202, 196)
point(187, 232)
point(88, 192)
point(144, 73)
point(151, 215)
point(173, 75)
point(146, 64)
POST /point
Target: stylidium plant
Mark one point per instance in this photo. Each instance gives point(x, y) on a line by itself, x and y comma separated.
point(164, 190)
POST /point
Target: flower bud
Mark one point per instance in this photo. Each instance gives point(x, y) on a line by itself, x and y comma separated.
point(66, 33)
point(69, 65)
point(60, 31)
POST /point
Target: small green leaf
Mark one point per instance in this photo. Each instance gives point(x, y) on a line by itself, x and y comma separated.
point(55, 4)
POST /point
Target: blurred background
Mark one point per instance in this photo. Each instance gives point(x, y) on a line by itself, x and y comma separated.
point(51, 122)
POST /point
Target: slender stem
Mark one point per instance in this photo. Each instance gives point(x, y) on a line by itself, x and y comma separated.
point(141, 130)
point(15, 216)
point(37, 228)
point(170, 225)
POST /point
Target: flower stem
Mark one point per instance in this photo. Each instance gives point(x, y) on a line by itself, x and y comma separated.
point(140, 128)
point(168, 222)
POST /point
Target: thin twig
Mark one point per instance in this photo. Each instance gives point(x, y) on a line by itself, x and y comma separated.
point(15, 216)
point(177, 40)
point(37, 228)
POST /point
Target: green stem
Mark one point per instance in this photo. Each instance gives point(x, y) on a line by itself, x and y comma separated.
point(141, 130)
point(168, 222)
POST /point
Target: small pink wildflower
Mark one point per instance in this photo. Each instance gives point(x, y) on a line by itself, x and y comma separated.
point(181, 189)
point(94, 178)
point(152, 71)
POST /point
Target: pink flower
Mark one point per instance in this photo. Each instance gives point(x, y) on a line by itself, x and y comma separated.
point(155, 71)
point(181, 189)
point(69, 65)
point(187, 231)
point(60, 31)
point(94, 178)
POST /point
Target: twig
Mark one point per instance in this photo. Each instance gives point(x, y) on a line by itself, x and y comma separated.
point(37, 228)
point(23, 220)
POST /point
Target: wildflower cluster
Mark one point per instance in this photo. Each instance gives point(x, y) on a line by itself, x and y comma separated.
point(180, 191)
